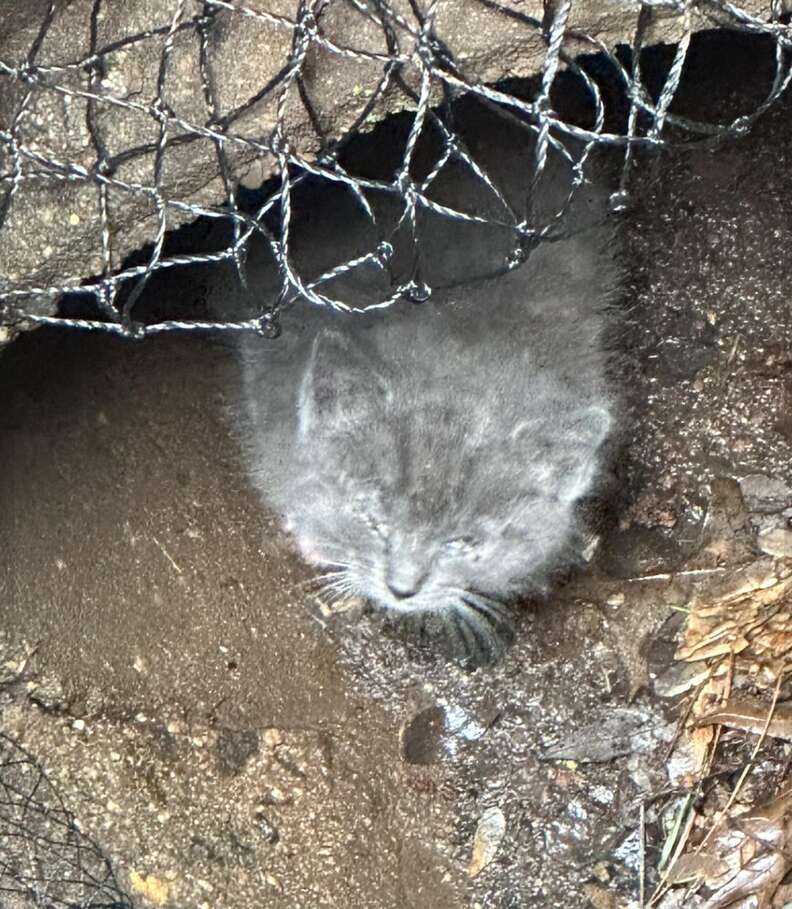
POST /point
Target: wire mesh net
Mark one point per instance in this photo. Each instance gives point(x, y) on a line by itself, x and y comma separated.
point(45, 859)
point(121, 170)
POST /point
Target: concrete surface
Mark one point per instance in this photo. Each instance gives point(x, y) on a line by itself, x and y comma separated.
point(80, 96)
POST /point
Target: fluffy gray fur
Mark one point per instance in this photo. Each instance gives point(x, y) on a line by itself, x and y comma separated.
point(431, 457)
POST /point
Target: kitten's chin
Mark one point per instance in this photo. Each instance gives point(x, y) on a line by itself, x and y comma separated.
point(420, 604)
point(404, 607)
point(380, 596)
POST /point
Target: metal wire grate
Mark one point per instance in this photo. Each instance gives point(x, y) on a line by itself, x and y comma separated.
point(417, 71)
point(45, 859)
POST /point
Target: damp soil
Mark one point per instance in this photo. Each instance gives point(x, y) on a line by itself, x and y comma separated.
point(227, 744)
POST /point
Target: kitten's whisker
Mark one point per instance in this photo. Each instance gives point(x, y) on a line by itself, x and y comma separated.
point(474, 641)
point(454, 624)
point(341, 565)
point(494, 634)
point(342, 586)
point(333, 591)
point(331, 597)
point(321, 578)
point(338, 577)
point(495, 611)
point(313, 582)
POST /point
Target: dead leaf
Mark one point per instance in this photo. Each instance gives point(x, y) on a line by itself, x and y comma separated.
point(746, 618)
point(748, 857)
point(751, 717)
point(700, 740)
point(741, 625)
point(693, 866)
point(489, 833)
point(783, 897)
point(623, 730)
point(712, 647)
point(776, 541)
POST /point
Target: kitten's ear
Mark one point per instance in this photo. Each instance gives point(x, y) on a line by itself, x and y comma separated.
point(565, 453)
point(339, 376)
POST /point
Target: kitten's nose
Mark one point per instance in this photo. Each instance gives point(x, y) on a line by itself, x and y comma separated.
point(404, 578)
point(406, 569)
point(402, 591)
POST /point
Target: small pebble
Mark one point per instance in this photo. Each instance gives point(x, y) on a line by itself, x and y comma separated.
point(273, 738)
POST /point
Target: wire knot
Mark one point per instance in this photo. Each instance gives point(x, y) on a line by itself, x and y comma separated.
point(307, 26)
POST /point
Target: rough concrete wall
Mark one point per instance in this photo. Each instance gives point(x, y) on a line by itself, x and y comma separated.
point(118, 120)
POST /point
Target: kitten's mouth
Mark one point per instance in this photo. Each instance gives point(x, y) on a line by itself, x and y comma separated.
point(473, 626)
point(403, 592)
point(413, 601)
point(476, 627)
point(417, 600)
point(408, 604)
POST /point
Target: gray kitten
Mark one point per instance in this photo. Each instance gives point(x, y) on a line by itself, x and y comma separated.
point(432, 457)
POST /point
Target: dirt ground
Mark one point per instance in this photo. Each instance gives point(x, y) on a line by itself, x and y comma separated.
point(226, 746)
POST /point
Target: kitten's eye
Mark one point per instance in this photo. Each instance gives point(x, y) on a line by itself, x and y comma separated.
point(359, 508)
point(375, 525)
point(460, 544)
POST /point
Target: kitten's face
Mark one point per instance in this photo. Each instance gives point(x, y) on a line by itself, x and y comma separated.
point(424, 505)
point(425, 548)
